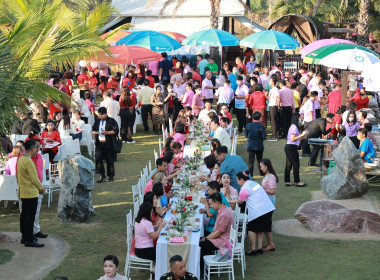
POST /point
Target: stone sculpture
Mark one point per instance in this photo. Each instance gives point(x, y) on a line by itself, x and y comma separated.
point(347, 179)
point(77, 182)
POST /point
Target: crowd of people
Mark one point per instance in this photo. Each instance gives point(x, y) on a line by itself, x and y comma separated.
point(299, 106)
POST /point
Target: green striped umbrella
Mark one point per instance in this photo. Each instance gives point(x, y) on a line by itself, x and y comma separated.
point(315, 56)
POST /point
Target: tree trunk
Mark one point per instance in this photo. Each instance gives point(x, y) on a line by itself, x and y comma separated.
point(214, 23)
point(363, 22)
point(316, 7)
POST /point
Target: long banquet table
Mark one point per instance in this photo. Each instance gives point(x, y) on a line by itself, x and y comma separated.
point(191, 256)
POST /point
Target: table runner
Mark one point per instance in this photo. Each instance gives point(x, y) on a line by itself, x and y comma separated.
point(182, 249)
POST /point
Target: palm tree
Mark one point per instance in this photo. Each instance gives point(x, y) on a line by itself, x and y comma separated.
point(36, 37)
point(260, 8)
point(363, 22)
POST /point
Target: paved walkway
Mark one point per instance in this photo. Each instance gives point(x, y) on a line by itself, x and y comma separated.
point(293, 227)
point(33, 263)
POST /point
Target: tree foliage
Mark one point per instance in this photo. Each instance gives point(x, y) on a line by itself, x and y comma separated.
point(37, 36)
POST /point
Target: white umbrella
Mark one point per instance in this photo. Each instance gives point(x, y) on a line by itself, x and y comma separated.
point(352, 59)
point(372, 72)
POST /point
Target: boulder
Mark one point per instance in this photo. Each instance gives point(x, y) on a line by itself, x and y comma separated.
point(77, 181)
point(326, 216)
point(347, 179)
point(6, 238)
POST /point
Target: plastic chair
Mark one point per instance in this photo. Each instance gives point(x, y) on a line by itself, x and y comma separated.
point(54, 182)
point(87, 140)
point(17, 137)
point(62, 154)
point(8, 189)
point(213, 267)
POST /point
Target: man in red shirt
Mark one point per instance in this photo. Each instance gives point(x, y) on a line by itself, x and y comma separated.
point(196, 75)
point(334, 99)
point(241, 65)
point(83, 81)
point(150, 78)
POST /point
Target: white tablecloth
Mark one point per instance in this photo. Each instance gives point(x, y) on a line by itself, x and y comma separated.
point(162, 258)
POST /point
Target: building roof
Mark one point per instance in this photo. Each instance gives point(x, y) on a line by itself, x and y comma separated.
point(191, 8)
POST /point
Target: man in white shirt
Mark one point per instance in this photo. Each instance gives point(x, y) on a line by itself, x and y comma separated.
point(265, 77)
point(225, 94)
point(314, 81)
point(208, 88)
point(274, 105)
point(320, 100)
point(112, 106)
point(203, 115)
point(220, 133)
point(308, 113)
point(179, 90)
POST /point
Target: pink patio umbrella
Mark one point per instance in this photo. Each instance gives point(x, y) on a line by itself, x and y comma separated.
point(321, 43)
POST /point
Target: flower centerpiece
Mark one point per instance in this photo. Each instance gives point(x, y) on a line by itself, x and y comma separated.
point(181, 219)
point(185, 184)
point(198, 128)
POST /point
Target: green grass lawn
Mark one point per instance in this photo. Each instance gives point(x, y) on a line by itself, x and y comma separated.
point(105, 233)
point(6, 255)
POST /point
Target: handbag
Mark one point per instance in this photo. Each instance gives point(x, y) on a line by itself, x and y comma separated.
point(117, 144)
point(222, 255)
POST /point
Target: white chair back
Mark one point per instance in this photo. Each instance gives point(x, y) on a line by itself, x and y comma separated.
point(46, 165)
point(155, 157)
point(17, 137)
point(87, 139)
point(136, 207)
point(159, 145)
point(170, 126)
point(62, 153)
point(8, 187)
point(233, 237)
point(237, 216)
point(135, 193)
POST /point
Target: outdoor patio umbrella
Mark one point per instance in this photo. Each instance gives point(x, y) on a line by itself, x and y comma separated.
point(270, 40)
point(372, 72)
point(321, 43)
point(111, 40)
point(212, 38)
point(153, 40)
point(175, 35)
point(126, 55)
point(352, 59)
point(315, 56)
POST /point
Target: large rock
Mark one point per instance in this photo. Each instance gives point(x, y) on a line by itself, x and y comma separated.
point(347, 179)
point(77, 182)
point(326, 216)
point(6, 238)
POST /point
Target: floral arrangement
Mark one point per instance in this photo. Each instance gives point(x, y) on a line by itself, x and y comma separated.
point(185, 183)
point(198, 128)
point(194, 162)
point(181, 219)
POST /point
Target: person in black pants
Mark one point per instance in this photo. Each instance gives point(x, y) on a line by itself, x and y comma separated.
point(240, 109)
point(316, 129)
point(105, 129)
point(256, 134)
point(29, 189)
point(291, 152)
point(127, 114)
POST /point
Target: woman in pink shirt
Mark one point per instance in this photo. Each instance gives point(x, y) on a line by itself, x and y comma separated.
point(197, 103)
point(228, 191)
point(179, 137)
point(188, 96)
point(10, 168)
point(145, 234)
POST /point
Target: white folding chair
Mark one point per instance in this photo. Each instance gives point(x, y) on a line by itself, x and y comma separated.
point(87, 140)
point(170, 126)
point(237, 217)
point(135, 193)
point(231, 130)
point(159, 145)
point(129, 217)
point(8, 189)
point(155, 158)
point(239, 251)
point(17, 137)
point(136, 206)
point(62, 153)
point(214, 267)
point(54, 182)
point(132, 261)
point(150, 163)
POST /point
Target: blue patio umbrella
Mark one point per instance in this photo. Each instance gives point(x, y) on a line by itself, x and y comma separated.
point(152, 40)
point(212, 38)
point(270, 40)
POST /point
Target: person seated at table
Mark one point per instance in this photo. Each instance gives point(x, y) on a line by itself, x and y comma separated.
point(366, 149)
point(220, 133)
point(212, 187)
point(189, 114)
point(111, 264)
point(203, 115)
point(178, 270)
point(32, 136)
point(49, 135)
point(168, 143)
point(210, 162)
point(225, 124)
point(89, 103)
point(221, 230)
point(10, 168)
point(215, 144)
point(370, 135)
point(177, 149)
point(172, 170)
point(227, 190)
point(225, 112)
point(57, 117)
point(145, 233)
point(362, 118)
point(77, 124)
point(180, 137)
point(155, 217)
point(163, 204)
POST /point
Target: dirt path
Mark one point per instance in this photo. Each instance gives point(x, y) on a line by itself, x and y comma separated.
point(33, 263)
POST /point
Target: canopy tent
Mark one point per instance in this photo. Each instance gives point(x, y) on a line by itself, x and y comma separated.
point(303, 25)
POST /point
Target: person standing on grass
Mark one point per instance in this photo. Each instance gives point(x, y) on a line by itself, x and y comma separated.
point(240, 106)
point(145, 97)
point(274, 113)
point(127, 114)
point(286, 103)
point(291, 152)
point(105, 130)
point(30, 188)
point(269, 184)
point(256, 134)
point(308, 113)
